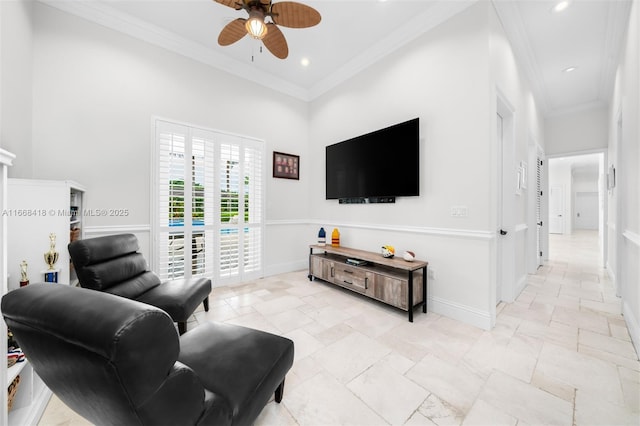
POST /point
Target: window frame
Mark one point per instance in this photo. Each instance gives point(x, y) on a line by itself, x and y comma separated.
point(219, 138)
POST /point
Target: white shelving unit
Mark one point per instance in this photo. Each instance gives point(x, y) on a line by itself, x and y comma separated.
point(30, 400)
point(33, 209)
point(36, 209)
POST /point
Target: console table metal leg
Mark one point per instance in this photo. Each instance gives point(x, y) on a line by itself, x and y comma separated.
point(424, 289)
point(410, 301)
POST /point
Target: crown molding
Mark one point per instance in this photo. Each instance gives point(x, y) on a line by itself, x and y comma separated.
point(577, 108)
point(513, 25)
point(420, 24)
point(101, 13)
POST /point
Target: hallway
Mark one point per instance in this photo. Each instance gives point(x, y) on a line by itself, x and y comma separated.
point(587, 357)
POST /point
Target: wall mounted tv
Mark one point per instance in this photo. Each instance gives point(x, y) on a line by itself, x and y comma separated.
point(375, 167)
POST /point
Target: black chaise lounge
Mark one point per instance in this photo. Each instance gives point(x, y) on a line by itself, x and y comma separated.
point(113, 264)
point(116, 361)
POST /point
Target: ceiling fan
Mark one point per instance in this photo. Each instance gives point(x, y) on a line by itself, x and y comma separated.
point(286, 13)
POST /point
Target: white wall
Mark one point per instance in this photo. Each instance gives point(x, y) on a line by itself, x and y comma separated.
point(16, 47)
point(445, 78)
point(441, 78)
point(624, 154)
point(518, 211)
point(95, 94)
point(583, 130)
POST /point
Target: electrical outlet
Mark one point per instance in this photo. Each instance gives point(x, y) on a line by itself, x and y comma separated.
point(431, 273)
point(459, 211)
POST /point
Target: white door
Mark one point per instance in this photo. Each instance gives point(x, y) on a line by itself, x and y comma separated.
point(586, 209)
point(505, 285)
point(501, 250)
point(556, 210)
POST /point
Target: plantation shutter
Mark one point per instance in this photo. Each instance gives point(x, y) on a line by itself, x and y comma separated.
point(209, 204)
point(230, 219)
point(253, 205)
point(539, 222)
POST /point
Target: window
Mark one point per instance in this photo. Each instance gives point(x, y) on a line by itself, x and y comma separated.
point(208, 198)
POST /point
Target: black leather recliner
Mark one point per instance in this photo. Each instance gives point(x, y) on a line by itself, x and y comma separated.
point(113, 264)
point(116, 361)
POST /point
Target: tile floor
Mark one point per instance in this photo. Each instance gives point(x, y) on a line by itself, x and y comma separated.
point(559, 355)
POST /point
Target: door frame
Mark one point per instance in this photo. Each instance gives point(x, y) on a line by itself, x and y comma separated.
point(602, 190)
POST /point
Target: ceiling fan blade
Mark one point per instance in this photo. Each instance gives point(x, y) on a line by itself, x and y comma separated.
point(232, 32)
point(275, 41)
point(294, 15)
point(236, 4)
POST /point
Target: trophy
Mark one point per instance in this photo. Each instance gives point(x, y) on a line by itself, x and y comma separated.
point(24, 279)
point(51, 257)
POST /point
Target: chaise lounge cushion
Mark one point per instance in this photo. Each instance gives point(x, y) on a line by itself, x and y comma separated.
point(112, 264)
point(230, 347)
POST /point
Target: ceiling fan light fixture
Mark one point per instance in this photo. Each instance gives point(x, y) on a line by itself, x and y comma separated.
point(255, 25)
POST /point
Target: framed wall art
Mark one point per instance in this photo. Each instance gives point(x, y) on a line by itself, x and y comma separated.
point(286, 166)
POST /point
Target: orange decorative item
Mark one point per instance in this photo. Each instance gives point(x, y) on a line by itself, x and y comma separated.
point(335, 237)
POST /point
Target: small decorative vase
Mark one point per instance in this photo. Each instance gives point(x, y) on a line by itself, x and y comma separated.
point(335, 237)
point(322, 237)
point(51, 257)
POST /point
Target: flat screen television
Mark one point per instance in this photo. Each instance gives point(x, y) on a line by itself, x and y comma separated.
point(375, 167)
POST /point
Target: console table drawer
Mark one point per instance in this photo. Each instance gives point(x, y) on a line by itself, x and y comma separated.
point(354, 278)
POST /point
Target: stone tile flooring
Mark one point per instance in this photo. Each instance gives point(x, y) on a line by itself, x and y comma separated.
point(559, 355)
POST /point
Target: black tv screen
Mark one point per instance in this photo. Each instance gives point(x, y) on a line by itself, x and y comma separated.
point(384, 163)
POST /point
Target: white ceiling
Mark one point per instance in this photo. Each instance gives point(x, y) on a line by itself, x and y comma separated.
point(354, 34)
point(587, 164)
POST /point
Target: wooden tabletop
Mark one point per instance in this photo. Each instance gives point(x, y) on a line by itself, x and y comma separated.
point(394, 262)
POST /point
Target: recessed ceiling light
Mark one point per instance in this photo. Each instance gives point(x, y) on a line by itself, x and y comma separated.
point(570, 69)
point(561, 6)
point(305, 62)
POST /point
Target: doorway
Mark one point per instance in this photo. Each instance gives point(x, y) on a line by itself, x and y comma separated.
point(577, 194)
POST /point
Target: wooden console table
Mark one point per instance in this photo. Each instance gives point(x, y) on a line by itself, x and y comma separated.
point(393, 281)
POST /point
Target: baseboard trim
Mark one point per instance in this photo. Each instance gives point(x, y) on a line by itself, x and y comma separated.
point(520, 285)
point(632, 325)
point(460, 312)
point(283, 268)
